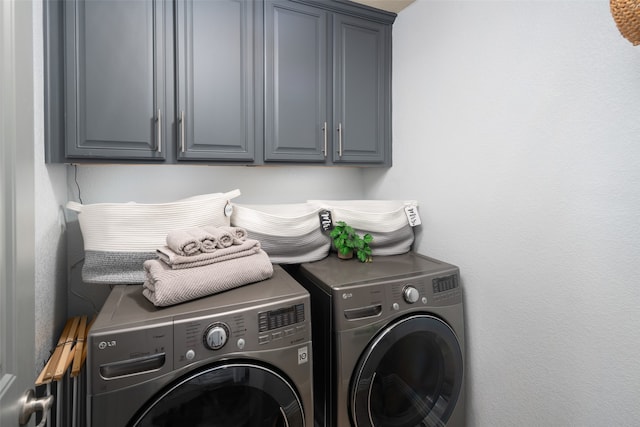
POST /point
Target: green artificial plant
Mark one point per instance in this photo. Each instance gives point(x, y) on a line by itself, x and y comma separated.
point(347, 241)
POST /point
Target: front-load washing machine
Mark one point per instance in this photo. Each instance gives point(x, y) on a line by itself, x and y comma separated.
point(388, 341)
point(241, 358)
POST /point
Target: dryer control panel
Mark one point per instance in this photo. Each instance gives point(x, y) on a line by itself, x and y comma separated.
point(240, 333)
point(355, 304)
point(280, 318)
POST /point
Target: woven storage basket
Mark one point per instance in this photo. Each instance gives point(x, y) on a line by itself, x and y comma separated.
point(626, 14)
point(288, 233)
point(119, 237)
point(385, 220)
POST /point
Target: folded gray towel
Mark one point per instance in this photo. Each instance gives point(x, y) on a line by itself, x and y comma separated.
point(164, 286)
point(176, 261)
point(224, 237)
point(183, 242)
point(208, 241)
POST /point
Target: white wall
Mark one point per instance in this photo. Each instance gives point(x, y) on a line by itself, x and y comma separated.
point(517, 127)
point(158, 183)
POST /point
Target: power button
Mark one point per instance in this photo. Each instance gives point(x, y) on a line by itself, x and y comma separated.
point(410, 294)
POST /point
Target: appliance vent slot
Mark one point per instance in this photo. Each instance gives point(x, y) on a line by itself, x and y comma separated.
point(446, 283)
point(275, 319)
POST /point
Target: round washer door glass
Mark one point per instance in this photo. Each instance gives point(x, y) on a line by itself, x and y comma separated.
point(409, 375)
point(232, 395)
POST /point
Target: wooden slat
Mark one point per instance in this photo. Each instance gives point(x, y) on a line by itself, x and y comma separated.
point(41, 378)
point(63, 366)
point(63, 362)
point(86, 347)
point(81, 343)
point(49, 369)
point(71, 350)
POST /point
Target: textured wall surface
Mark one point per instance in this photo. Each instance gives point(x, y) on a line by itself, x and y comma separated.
point(50, 242)
point(517, 127)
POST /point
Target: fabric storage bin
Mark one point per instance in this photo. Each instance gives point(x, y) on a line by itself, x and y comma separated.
point(390, 222)
point(119, 237)
point(288, 233)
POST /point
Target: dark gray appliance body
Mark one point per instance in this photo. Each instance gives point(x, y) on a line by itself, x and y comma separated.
point(239, 358)
point(388, 341)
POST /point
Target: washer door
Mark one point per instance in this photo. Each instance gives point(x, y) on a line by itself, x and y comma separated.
point(231, 395)
point(409, 375)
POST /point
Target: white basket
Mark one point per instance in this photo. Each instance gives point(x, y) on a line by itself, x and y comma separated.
point(288, 233)
point(386, 220)
point(119, 237)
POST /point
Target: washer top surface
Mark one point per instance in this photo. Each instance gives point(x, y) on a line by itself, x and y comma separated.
point(334, 272)
point(127, 307)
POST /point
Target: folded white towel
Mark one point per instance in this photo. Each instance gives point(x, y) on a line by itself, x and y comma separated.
point(183, 242)
point(164, 286)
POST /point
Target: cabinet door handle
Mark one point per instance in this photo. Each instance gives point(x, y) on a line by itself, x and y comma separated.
point(324, 130)
point(159, 130)
point(340, 140)
point(182, 131)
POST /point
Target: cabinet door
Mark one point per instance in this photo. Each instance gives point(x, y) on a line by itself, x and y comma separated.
point(115, 80)
point(361, 99)
point(217, 95)
point(295, 82)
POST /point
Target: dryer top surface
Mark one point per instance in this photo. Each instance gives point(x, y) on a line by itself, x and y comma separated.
point(334, 272)
point(126, 306)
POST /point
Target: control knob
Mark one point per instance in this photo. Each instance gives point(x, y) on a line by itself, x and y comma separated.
point(410, 294)
point(216, 336)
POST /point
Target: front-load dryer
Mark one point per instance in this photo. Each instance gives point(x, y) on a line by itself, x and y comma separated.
point(241, 358)
point(388, 341)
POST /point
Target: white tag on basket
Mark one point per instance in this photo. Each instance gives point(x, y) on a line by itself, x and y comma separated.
point(412, 215)
point(228, 209)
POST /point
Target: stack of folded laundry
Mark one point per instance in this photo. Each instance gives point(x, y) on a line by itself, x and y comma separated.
point(202, 261)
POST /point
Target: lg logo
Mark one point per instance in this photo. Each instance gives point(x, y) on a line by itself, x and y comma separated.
point(104, 344)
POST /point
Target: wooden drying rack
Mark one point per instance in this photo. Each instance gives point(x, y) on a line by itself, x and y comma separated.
point(71, 350)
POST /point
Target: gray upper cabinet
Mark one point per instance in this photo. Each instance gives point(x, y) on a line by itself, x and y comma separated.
point(163, 80)
point(361, 91)
point(218, 95)
point(115, 83)
point(327, 84)
point(217, 81)
point(296, 92)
